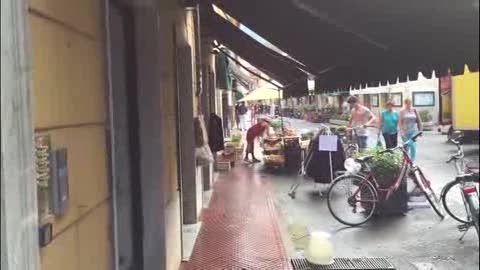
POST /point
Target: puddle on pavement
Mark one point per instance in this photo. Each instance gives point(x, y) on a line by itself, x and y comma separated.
point(424, 266)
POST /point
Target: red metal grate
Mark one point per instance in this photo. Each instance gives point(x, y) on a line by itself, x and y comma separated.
point(240, 228)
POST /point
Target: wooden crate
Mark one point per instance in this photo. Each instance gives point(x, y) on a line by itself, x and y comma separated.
point(239, 152)
point(223, 166)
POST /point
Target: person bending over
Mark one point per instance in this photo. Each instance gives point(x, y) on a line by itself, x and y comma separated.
point(254, 132)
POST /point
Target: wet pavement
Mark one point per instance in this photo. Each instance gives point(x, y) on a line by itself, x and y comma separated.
point(419, 240)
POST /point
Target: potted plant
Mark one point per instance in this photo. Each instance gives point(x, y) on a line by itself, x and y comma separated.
point(385, 166)
point(426, 118)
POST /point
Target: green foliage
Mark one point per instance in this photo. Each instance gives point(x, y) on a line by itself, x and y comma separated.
point(307, 136)
point(276, 124)
point(309, 108)
point(384, 166)
point(425, 116)
point(341, 129)
point(236, 138)
point(343, 117)
point(330, 109)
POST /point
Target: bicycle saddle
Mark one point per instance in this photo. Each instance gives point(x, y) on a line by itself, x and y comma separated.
point(472, 167)
point(364, 158)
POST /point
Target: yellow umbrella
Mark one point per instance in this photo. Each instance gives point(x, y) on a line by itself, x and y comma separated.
point(263, 93)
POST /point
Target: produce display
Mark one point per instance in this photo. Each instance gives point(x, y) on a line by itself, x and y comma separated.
point(385, 166)
point(275, 159)
point(273, 147)
point(236, 140)
point(307, 136)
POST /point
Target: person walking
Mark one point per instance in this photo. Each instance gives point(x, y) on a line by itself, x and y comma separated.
point(389, 125)
point(237, 115)
point(361, 117)
point(254, 132)
point(410, 123)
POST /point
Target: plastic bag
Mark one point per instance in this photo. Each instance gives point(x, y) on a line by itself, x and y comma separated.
point(201, 135)
point(204, 156)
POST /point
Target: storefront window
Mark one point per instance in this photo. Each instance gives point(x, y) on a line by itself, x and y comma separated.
point(424, 99)
point(397, 99)
point(374, 100)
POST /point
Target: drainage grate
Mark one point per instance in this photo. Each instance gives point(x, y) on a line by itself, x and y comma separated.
point(345, 264)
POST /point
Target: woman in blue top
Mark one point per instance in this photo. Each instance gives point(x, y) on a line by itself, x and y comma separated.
point(389, 125)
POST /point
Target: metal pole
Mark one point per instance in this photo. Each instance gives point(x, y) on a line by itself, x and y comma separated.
point(280, 110)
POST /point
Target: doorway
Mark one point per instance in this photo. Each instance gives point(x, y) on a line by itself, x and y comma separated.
point(124, 139)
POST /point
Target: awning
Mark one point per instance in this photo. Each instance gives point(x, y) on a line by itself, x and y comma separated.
point(270, 63)
point(349, 43)
point(222, 71)
point(263, 93)
point(422, 83)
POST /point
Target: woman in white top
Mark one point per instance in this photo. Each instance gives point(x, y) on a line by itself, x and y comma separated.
point(409, 124)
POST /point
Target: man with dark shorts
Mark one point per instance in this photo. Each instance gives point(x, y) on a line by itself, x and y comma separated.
point(254, 132)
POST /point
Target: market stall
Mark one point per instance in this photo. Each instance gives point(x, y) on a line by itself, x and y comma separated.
point(285, 147)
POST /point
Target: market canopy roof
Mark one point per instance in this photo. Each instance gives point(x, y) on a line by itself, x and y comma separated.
point(270, 63)
point(263, 93)
point(348, 43)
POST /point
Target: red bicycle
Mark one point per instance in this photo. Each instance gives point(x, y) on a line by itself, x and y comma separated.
point(354, 196)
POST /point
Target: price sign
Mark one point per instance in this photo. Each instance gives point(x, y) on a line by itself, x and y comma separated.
point(327, 143)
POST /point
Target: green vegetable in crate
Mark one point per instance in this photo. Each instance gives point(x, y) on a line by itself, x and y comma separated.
point(384, 166)
point(307, 136)
point(276, 124)
point(236, 138)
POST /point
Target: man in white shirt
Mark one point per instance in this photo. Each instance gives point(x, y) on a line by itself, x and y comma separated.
point(361, 117)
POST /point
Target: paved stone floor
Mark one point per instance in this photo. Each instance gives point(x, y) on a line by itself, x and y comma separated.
point(412, 241)
point(241, 228)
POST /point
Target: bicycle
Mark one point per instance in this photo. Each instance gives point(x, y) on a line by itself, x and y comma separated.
point(467, 183)
point(364, 193)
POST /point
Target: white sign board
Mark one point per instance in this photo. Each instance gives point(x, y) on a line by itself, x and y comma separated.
point(327, 143)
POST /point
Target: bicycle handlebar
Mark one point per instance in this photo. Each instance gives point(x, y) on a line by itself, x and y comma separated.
point(415, 137)
point(405, 144)
point(457, 141)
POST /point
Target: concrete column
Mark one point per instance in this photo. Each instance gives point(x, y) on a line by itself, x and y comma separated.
point(152, 141)
point(206, 98)
point(19, 216)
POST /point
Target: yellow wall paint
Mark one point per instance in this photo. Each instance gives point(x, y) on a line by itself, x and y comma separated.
point(87, 170)
point(465, 94)
point(83, 15)
point(75, 250)
point(68, 90)
point(94, 240)
point(68, 76)
point(66, 246)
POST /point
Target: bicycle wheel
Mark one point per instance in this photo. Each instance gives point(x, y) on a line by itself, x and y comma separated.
point(474, 212)
point(428, 191)
point(453, 204)
point(352, 200)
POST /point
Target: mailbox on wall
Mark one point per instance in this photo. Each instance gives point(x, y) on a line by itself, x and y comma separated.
point(59, 191)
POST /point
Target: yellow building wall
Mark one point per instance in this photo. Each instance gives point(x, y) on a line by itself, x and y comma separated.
point(69, 105)
point(465, 95)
